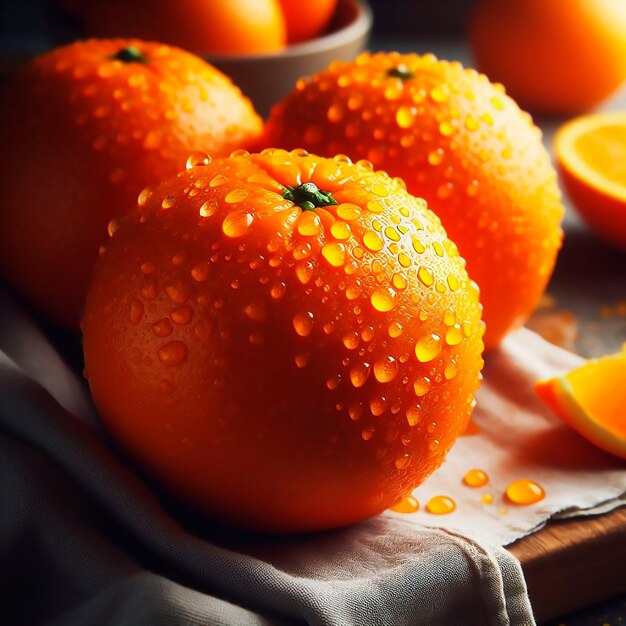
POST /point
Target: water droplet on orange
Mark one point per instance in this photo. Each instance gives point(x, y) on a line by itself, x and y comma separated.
point(256, 312)
point(427, 348)
point(385, 369)
point(440, 505)
point(414, 415)
point(200, 272)
point(367, 433)
point(405, 116)
point(476, 478)
point(454, 336)
point(178, 293)
point(208, 208)
point(383, 299)
point(237, 223)
point(359, 374)
point(487, 499)
point(525, 492)
point(301, 360)
point(303, 323)
point(136, 311)
point(168, 202)
point(197, 159)
point(182, 315)
point(395, 329)
point(421, 386)
point(378, 405)
point(236, 195)
point(172, 353)
point(351, 340)
point(162, 328)
point(333, 382)
point(278, 290)
point(334, 253)
point(304, 271)
point(340, 230)
point(348, 212)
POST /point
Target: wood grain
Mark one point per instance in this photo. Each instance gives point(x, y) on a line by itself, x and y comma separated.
point(572, 564)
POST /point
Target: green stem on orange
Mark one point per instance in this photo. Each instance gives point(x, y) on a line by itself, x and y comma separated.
point(130, 54)
point(400, 71)
point(308, 196)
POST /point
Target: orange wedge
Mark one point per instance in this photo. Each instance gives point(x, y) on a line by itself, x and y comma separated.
point(591, 156)
point(592, 400)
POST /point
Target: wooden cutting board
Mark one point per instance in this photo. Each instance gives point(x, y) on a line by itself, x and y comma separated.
point(572, 564)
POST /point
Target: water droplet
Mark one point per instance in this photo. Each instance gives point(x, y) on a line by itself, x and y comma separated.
point(303, 323)
point(113, 226)
point(162, 328)
point(136, 312)
point(172, 353)
point(440, 505)
point(256, 312)
point(309, 224)
point(476, 478)
point(399, 282)
point(378, 405)
point(168, 202)
point(304, 271)
point(436, 157)
point(334, 253)
point(355, 412)
point(333, 382)
point(200, 272)
point(414, 415)
point(334, 113)
point(440, 93)
point(182, 315)
point(446, 129)
point(301, 360)
point(421, 386)
point(217, 180)
point(379, 190)
point(208, 208)
point(427, 348)
point(359, 374)
point(178, 293)
point(405, 116)
point(236, 195)
point(278, 290)
point(385, 369)
point(237, 223)
point(383, 299)
point(454, 336)
point(395, 329)
point(340, 230)
point(525, 492)
point(372, 241)
point(408, 504)
point(367, 433)
point(197, 159)
point(402, 461)
point(149, 291)
point(487, 499)
point(425, 276)
point(348, 212)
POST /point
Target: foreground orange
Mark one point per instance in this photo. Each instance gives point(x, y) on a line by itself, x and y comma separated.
point(591, 155)
point(288, 343)
point(554, 56)
point(86, 127)
point(459, 142)
point(591, 399)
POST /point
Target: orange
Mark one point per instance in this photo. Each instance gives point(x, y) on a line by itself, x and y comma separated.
point(288, 343)
point(591, 156)
point(202, 26)
point(553, 56)
point(591, 399)
point(306, 20)
point(459, 142)
point(86, 127)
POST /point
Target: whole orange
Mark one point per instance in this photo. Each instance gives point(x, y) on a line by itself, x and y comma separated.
point(86, 128)
point(459, 142)
point(287, 342)
point(553, 56)
point(202, 26)
point(306, 20)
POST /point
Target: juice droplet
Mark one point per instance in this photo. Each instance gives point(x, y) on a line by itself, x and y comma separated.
point(427, 348)
point(334, 253)
point(525, 492)
point(487, 499)
point(359, 374)
point(408, 504)
point(303, 323)
point(383, 299)
point(441, 505)
point(385, 369)
point(197, 159)
point(476, 478)
point(237, 223)
point(172, 353)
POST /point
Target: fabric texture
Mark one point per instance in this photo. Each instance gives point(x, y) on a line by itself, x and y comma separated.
point(84, 540)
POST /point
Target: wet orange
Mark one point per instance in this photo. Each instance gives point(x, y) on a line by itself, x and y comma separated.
point(306, 20)
point(556, 56)
point(86, 128)
point(459, 142)
point(287, 342)
point(202, 26)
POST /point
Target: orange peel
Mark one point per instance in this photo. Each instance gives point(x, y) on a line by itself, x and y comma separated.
point(591, 157)
point(592, 400)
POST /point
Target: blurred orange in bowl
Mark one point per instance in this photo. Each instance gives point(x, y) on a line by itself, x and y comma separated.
point(553, 56)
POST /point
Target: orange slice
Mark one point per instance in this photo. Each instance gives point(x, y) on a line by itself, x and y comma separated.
point(591, 156)
point(592, 400)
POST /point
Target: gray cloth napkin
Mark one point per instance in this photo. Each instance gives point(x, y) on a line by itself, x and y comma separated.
point(84, 540)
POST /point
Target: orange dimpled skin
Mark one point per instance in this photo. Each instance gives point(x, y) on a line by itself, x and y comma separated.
point(86, 127)
point(287, 342)
point(459, 142)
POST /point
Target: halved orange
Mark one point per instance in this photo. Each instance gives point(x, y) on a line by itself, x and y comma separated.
point(592, 400)
point(591, 156)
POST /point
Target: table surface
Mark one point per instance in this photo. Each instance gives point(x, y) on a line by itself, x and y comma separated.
point(586, 308)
